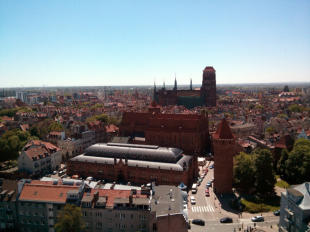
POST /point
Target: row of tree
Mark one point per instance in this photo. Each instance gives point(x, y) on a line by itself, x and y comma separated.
point(253, 173)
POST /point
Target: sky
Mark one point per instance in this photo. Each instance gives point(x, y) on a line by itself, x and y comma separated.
point(130, 42)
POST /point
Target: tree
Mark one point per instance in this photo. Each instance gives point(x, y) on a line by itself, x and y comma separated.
point(286, 89)
point(264, 174)
point(244, 173)
point(297, 166)
point(270, 130)
point(55, 126)
point(11, 143)
point(295, 108)
point(70, 219)
point(281, 164)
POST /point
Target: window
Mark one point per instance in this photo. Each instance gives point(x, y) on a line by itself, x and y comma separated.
point(99, 225)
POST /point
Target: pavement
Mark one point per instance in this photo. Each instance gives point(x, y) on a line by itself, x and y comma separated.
point(211, 209)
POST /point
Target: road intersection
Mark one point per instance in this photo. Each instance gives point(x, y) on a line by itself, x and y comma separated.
point(211, 211)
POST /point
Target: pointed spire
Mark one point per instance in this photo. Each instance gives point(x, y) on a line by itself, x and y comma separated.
point(154, 92)
point(223, 131)
point(164, 85)
point(175, 83)
point(191, 85)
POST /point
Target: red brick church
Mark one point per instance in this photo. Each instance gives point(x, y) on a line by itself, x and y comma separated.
point(205, 96)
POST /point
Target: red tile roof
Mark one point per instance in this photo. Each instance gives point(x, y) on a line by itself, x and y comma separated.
point(223, 131)
point(48, 193)
point(37, 149)
point(111, 128)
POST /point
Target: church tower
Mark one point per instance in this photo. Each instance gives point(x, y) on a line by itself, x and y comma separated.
point(208, 88)
point(224, 149)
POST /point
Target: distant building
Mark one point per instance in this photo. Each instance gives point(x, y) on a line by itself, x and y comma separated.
point(38, 157)
point(206, 96)
point(295, 209)
point(134, 163)
point(224, 146)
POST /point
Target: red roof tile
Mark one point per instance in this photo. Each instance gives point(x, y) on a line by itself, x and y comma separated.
point(51, 193)
point(223, 131)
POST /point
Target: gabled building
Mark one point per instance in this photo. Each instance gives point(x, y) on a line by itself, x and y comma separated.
point(38, 157)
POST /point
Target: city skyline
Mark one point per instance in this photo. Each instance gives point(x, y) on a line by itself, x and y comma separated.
point(96, 43)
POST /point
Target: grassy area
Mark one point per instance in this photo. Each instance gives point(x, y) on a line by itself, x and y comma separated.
point(266, 206)
point(282, 184)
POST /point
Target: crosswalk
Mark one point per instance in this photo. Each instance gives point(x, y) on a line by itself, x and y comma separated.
point(202, 209)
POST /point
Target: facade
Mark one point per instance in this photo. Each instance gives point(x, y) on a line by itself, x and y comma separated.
point(295, 209)
point(224, 150)
point(72, 147)
point(104, 207)
point(206, 96)
point(188, 132)
point(111, 210)
point(8, 201)
point(38, 157)
point(134, 163)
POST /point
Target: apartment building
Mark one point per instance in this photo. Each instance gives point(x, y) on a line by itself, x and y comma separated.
point(295, 209)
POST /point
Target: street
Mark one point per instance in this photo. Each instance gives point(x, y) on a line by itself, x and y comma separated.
point(211, 211)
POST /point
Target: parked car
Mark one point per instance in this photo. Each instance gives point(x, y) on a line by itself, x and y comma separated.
point(226, 220)
point(193, 200)
point(211, 167)
point(198, 222)
point(257, 219)
point(209, 184)
point(277, 212)
point(207, 192)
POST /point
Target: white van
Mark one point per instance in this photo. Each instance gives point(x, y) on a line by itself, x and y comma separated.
point(194, 188)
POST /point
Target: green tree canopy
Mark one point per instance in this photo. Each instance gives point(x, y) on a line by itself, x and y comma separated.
point(297, 165)
point(244, 172)
point(264, 174)
point(70, 219)
point(254, 173)
point(281, 164)
point(295, 108)
point(12, 142)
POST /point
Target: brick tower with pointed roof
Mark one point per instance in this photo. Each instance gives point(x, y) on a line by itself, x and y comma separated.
point(224, 149)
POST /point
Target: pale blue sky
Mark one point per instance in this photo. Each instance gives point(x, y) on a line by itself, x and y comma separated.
point(70, 43)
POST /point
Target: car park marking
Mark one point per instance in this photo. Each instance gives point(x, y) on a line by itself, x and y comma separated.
point(202, 209)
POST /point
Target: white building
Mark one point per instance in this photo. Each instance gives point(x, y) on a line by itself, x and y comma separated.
point(39, 157)
point(295, 209)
